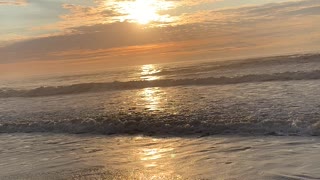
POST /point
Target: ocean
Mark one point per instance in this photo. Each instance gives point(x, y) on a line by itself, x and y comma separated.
point(253, 118)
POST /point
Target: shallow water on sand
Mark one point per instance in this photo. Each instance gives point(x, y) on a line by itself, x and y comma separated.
point(60, 156)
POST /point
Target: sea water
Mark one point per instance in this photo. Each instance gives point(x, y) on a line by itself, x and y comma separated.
point(242, 119)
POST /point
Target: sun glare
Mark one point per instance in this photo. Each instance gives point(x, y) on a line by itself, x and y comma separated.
point(149, 71)
point(143, 11)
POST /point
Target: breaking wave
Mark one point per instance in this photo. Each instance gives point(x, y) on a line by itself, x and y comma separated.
point(109, 86)
point(164, 125)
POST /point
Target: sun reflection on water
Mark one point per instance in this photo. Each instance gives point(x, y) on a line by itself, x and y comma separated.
point(149, 71)
point(152, 157)
point(148, 158)
point(152, 98)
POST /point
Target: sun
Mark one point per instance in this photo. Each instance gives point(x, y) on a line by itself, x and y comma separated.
point(143, 11)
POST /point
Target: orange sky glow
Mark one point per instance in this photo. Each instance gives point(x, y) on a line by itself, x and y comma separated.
point(106, 33)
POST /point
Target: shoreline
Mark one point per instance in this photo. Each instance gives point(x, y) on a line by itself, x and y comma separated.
point(64, 156)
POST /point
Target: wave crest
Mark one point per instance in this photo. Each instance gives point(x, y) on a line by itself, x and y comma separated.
point(109, 86)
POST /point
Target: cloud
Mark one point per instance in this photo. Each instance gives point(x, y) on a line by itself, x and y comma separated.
point(276, 10)
point(241, 16)
point(110, 11)
point(191, 2)
point(13, 2)
point(81, 15)
point(245, 31)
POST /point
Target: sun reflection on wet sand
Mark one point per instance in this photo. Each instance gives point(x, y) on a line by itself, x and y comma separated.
point(158, 158)
point(151, 156)
point(144, 158)
point(149, 71)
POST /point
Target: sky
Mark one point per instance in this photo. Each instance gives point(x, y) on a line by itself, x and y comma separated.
point(39, 36)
